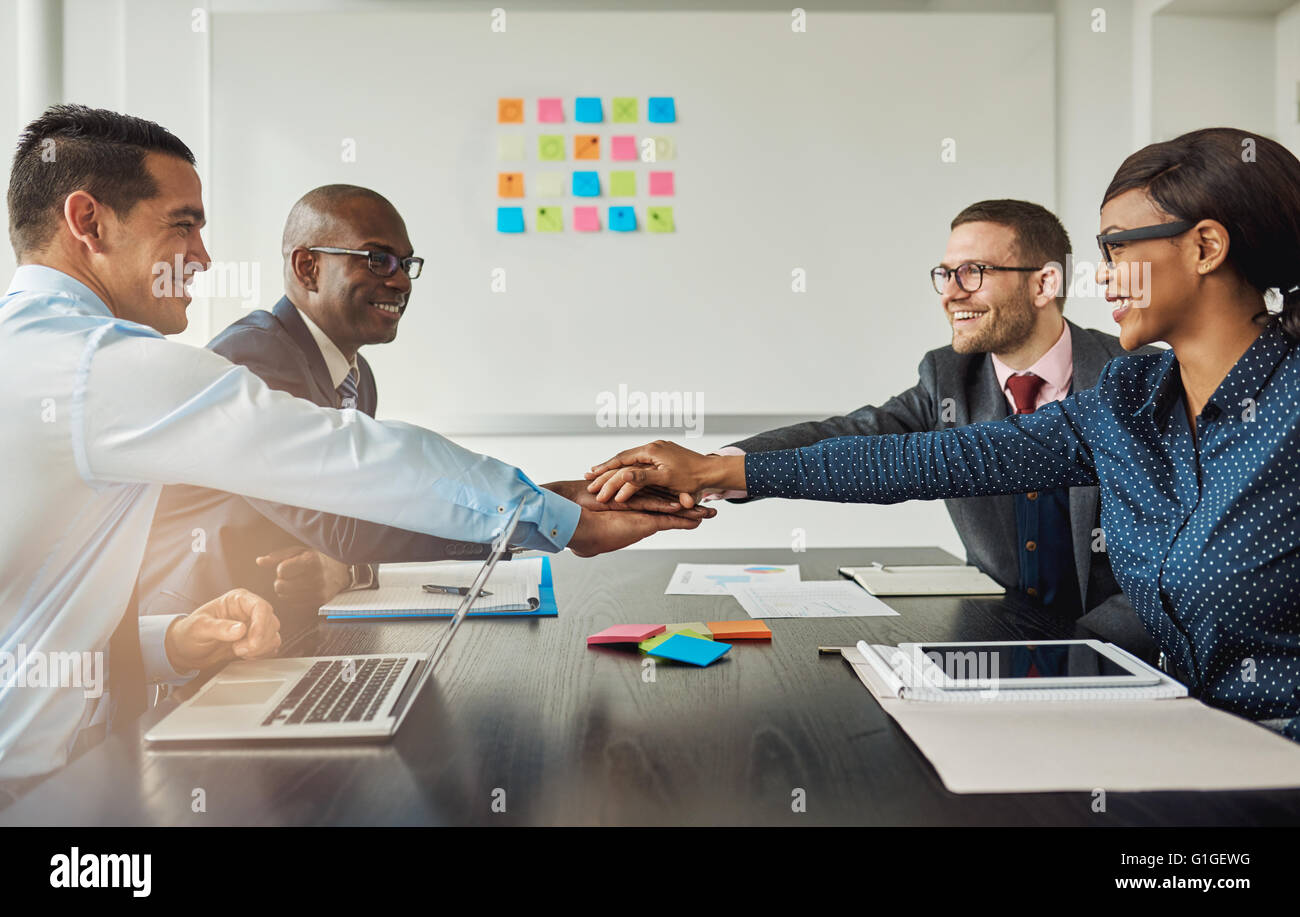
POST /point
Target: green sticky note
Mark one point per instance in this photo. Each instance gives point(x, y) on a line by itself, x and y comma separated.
point(622, 184)
point(550, 147)
point(692, 628)
point(646, 646)
point(550, 219)
point(625, 110)
point(659, 219)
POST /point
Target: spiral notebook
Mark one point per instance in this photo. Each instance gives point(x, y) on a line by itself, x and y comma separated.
point(521, 587)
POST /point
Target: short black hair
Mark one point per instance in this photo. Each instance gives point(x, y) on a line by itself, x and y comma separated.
point(1040, 238)
point(74, 148)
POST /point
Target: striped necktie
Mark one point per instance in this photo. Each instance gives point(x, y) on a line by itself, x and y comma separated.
point(348, 390)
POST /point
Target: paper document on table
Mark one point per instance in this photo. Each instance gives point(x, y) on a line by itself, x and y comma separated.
point(818, 599)
point(713, 579)
point(514, 586)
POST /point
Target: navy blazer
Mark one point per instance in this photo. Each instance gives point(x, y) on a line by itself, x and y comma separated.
point(206, 542)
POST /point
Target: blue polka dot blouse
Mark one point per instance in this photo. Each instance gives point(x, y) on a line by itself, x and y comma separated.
point(1203, 533)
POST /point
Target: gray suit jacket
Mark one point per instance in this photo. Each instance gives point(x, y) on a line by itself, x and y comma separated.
point(958, 389)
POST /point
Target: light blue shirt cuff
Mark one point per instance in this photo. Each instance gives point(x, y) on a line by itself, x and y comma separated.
point(157, 667)
point(554, 527)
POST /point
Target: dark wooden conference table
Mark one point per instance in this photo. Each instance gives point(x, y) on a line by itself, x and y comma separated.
point(523, 716)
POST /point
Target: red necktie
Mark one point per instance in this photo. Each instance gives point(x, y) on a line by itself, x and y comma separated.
point(1024, 391)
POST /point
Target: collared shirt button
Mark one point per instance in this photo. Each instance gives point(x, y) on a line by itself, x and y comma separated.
point(1032, 591)
point(501, 509)
point(1032, 495)
point(554, 532)
point(1031, 546)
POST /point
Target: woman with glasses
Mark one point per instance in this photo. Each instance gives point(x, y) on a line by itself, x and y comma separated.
point(1195, 448)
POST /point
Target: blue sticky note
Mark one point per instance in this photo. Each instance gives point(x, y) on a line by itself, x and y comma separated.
point(586, 184)
point(694, 650)
point(588, 110)
point(662, 110)
point(622, 219)
point(510, 219)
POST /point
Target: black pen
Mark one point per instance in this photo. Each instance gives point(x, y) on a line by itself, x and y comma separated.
point(450, 590)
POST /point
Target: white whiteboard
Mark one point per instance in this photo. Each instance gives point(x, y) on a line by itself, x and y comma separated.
point(818, 151)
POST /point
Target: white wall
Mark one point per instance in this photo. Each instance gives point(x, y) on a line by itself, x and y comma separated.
point(144, 56)
point(1212, 71)
point(1286, 92)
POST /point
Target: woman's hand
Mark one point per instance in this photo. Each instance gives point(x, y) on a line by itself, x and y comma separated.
point(668, 466)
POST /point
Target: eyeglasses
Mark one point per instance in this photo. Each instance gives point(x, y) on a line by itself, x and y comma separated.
point(1157, 231)
point(385, 264)
point(969, 275)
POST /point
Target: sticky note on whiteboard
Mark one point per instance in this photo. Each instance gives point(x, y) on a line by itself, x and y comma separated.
point(549, 184)
point(510, 148)
point(510, 219)
point(661, 184)
point(550, 219)
point(659, 219)
point(510, 184)
point(550, 111)
point(622, 148)
point(510, 111)
point(550, 147)
point(586, 184)
point(624, 110)
point(622, 184)
point(587, 110)
point(661, 110)
point(586, 219)
point(622, 219)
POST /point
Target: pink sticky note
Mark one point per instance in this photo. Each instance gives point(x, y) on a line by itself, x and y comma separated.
point(661, 184)
point(624, 633)
point(550, 111)
point(622, 147)
point(586, 219)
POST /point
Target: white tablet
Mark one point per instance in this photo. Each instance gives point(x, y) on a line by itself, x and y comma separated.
point(1018, 664)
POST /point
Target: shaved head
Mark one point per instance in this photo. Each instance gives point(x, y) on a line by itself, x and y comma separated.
point(320, 213)
point(342, 294)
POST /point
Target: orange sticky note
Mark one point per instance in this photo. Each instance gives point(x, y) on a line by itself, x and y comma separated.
point(510, 111)
point(740, 630)
point(586, 146)
point(510, 184)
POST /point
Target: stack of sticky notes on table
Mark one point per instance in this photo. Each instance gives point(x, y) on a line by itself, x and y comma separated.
point(692, 642)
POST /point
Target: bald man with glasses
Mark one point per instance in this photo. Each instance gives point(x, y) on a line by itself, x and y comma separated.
point(348, 268)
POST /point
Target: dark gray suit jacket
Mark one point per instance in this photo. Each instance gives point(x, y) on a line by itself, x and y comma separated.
point(176, 579)
point(987, 525)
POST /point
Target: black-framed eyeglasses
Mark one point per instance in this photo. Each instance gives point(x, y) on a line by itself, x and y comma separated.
point(385, 264)
point(1155, 231)
point(969, 274)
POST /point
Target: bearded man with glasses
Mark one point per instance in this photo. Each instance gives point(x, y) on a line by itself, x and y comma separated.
point(1002, 288)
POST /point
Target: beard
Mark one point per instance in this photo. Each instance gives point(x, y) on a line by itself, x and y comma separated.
point(1006, 325)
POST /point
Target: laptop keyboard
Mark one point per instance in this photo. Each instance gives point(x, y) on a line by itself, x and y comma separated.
point(338, 691)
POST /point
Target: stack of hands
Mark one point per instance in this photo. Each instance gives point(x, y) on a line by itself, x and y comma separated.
point(631, 496)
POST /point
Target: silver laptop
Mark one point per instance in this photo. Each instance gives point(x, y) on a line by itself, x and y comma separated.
point(317, 697)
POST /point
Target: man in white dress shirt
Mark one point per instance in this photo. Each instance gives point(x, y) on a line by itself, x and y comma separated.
point(102, 411)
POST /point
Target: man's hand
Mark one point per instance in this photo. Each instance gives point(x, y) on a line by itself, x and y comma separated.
point(650, 500)
point(239, 624)
point(665, 465)
point(598, 532)
point(306, 576)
